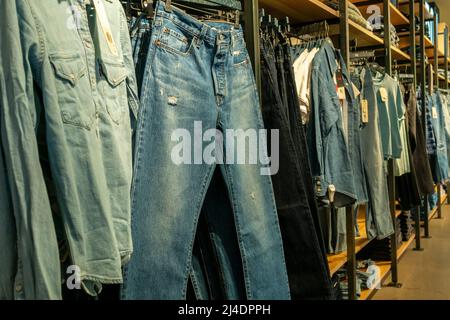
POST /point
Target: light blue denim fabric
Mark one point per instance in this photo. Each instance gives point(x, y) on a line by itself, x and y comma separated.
point(35, 265)
point(390, 113)
point(441, 142)
point(378, 217)
point(446, 113)
point(331, 160)
point(197, 72)
point(8, 233)
point(56, 53)
point(354, 141)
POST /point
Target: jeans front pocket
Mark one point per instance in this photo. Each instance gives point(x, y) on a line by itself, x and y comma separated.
point(176, 40)
point(115, 88)
point(73, 90)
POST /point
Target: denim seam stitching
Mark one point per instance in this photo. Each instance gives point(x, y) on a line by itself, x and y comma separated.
point(242, 250)
point(202, 194)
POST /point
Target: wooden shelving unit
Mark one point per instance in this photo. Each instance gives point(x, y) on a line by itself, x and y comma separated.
point(402, 249)
point(443, 199)
point(404, 41)
point(397, 17)
point(404, 7)
point(300, 11)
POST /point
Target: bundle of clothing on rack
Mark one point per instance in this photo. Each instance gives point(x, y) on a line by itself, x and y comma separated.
point(87, 143)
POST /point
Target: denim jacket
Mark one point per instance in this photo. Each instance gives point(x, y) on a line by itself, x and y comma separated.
point(7, 234)
point(438, 120)
point(64, 77)
point(329, 153)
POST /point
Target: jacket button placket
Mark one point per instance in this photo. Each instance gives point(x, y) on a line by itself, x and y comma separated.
point(89, 49)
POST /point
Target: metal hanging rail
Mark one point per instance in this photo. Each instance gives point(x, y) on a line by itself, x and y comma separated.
point(412, 39)
point(423, 88)
point(391, 172)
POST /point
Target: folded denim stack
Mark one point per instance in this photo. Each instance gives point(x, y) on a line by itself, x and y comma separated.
point(380, 250)
point(379, 29)
point(343, 284)
point(353, 12)
point(406, 225)
point(398, 231)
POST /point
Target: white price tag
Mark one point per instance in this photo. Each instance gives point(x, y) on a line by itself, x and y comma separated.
point(341, 93)
point(434, 113)
point(105, 25)
point(365, 111)
point(384, 95)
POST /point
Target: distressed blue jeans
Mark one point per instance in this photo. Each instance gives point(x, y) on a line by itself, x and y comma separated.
point(197, 72)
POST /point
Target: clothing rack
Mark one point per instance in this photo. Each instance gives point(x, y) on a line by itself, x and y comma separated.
point(346, 31)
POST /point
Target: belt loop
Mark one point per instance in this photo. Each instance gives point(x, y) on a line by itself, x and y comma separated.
point(202, 35)
point(232, 41)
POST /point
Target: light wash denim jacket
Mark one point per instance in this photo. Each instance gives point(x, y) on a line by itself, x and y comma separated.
point(331, 159)
point(58, 66)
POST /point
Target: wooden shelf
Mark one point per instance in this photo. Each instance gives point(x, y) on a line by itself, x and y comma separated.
point(336, 261)
point(385, 267)
point(397, 17)
point(300, 11)
point(441, 60)
point(402, 249)
point(398, 54)
point(434, 211)
point(404, 7)
point(404, 41)
point(364, 37)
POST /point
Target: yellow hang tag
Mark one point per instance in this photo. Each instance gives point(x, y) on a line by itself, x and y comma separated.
point(341, 93)
point(384, 95)
point(105, 25)
point(364, 111)
point(434, 113)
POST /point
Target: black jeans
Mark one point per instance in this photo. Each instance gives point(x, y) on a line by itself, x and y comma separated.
point(303, 246)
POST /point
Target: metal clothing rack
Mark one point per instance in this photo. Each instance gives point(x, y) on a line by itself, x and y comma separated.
point(346, 28)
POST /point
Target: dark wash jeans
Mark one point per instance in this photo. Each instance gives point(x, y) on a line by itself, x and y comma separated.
point(305, 258)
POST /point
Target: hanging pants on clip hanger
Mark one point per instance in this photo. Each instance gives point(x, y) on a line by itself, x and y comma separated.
point(198, 77)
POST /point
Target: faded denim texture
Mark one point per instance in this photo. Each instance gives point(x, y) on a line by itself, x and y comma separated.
point(214, 84)
point(330, 157)
point(62, 77)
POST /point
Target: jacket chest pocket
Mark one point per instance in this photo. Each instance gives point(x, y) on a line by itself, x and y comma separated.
point(73, 91)
point(114, 88)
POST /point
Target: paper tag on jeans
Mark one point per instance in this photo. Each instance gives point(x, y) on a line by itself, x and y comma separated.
point(384, 95)
point(105, 25)
point(364, 111)
point(341, 93)
point(434, 113)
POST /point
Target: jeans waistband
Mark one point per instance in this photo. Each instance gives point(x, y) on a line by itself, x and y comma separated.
point(209, 31)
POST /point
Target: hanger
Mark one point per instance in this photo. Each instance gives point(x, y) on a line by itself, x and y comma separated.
point(228, 10)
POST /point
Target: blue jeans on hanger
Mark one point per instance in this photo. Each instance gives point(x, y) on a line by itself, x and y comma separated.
point(197, 72)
